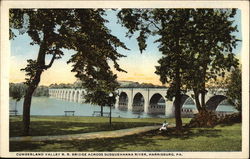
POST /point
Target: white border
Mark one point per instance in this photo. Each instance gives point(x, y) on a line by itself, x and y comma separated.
point(5, 56)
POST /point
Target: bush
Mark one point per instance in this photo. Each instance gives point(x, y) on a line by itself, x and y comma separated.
point(204, 118)
point(231, 118)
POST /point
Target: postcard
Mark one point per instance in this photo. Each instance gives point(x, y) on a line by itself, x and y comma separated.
point(124, 79)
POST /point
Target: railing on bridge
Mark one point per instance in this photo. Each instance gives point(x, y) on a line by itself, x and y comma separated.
point(222, 113)
point(187, 112)
point(122, 106)
point(139, 107)
point(156, 109)
point(156, 106)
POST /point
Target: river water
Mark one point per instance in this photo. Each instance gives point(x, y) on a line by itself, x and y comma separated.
point(45, 106)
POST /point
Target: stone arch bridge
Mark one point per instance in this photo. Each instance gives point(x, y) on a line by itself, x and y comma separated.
point(148, 100)
point(73, 95)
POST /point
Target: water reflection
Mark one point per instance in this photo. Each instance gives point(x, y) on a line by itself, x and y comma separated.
point(45, 106)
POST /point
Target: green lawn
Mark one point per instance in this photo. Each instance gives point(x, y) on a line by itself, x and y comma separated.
point(41, 125)
point(220, 138)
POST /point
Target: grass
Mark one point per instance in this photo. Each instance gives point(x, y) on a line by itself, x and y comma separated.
point(60, 125)
point(219, 138)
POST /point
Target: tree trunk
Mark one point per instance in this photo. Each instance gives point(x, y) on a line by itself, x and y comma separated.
point(26, 111)
point(203, 94)
point(197, 101)
point(203, 89)
point(27, 101)
point(203, 99)
point(177, 102)
point(32, 86)
point(101, 110)
point(110, 116)
point(178, 120)
point(15, 105)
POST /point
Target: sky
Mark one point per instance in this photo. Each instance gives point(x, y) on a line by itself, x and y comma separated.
point(140, 66)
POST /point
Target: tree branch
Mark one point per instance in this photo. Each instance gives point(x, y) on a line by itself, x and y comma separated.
point(51, 62)
point(151, 22)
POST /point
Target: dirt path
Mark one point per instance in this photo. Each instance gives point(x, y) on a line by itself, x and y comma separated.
point(91, 135)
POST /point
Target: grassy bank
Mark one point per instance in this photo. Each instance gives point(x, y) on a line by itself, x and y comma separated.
point(220, 138)
point(41, 125)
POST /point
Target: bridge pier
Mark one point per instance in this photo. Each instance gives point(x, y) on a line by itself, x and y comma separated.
point(146, 106)
point(117, 102)
point(169, 109)
point(130, 104)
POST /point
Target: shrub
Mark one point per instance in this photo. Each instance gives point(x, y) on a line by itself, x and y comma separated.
point(204, 118)
point(230, 118)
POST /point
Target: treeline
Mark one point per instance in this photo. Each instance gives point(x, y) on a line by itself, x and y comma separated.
point(141, 85)
point(78, 84)
point(20, 88)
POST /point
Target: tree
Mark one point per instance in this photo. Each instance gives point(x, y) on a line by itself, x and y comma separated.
point(196, 45)
point(41, 91)
point(173, 43)
point(98, 89)
point(234, 89)
point(171, 26)
point(16, 92)
point(210, 46)
point(82, 30)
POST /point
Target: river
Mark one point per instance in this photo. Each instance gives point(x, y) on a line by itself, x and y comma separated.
point(45, 106)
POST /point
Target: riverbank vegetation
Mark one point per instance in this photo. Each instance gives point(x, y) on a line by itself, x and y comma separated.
point(20, 88)
point(225, 137)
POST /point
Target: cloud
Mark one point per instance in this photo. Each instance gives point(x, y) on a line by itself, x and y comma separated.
point(139, 74)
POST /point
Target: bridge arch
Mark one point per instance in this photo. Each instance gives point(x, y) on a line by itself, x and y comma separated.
point(138, 103)
point(66, 94)
point(69, 94)
point(214, 101)
point(81, 95)
point(188, 101)
point(56, 93)
point(157, 104)
point(123, 101)
point(184, 97)
point(187, 106)
point(61, 94)
point(77, 98)
point(72, 96)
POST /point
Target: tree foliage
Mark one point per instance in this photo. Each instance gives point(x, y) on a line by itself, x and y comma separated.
point(169, 26)
point(16, 91)
point(196, 44)
point(210, 47)
point(81, 30)
point(234, 90)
